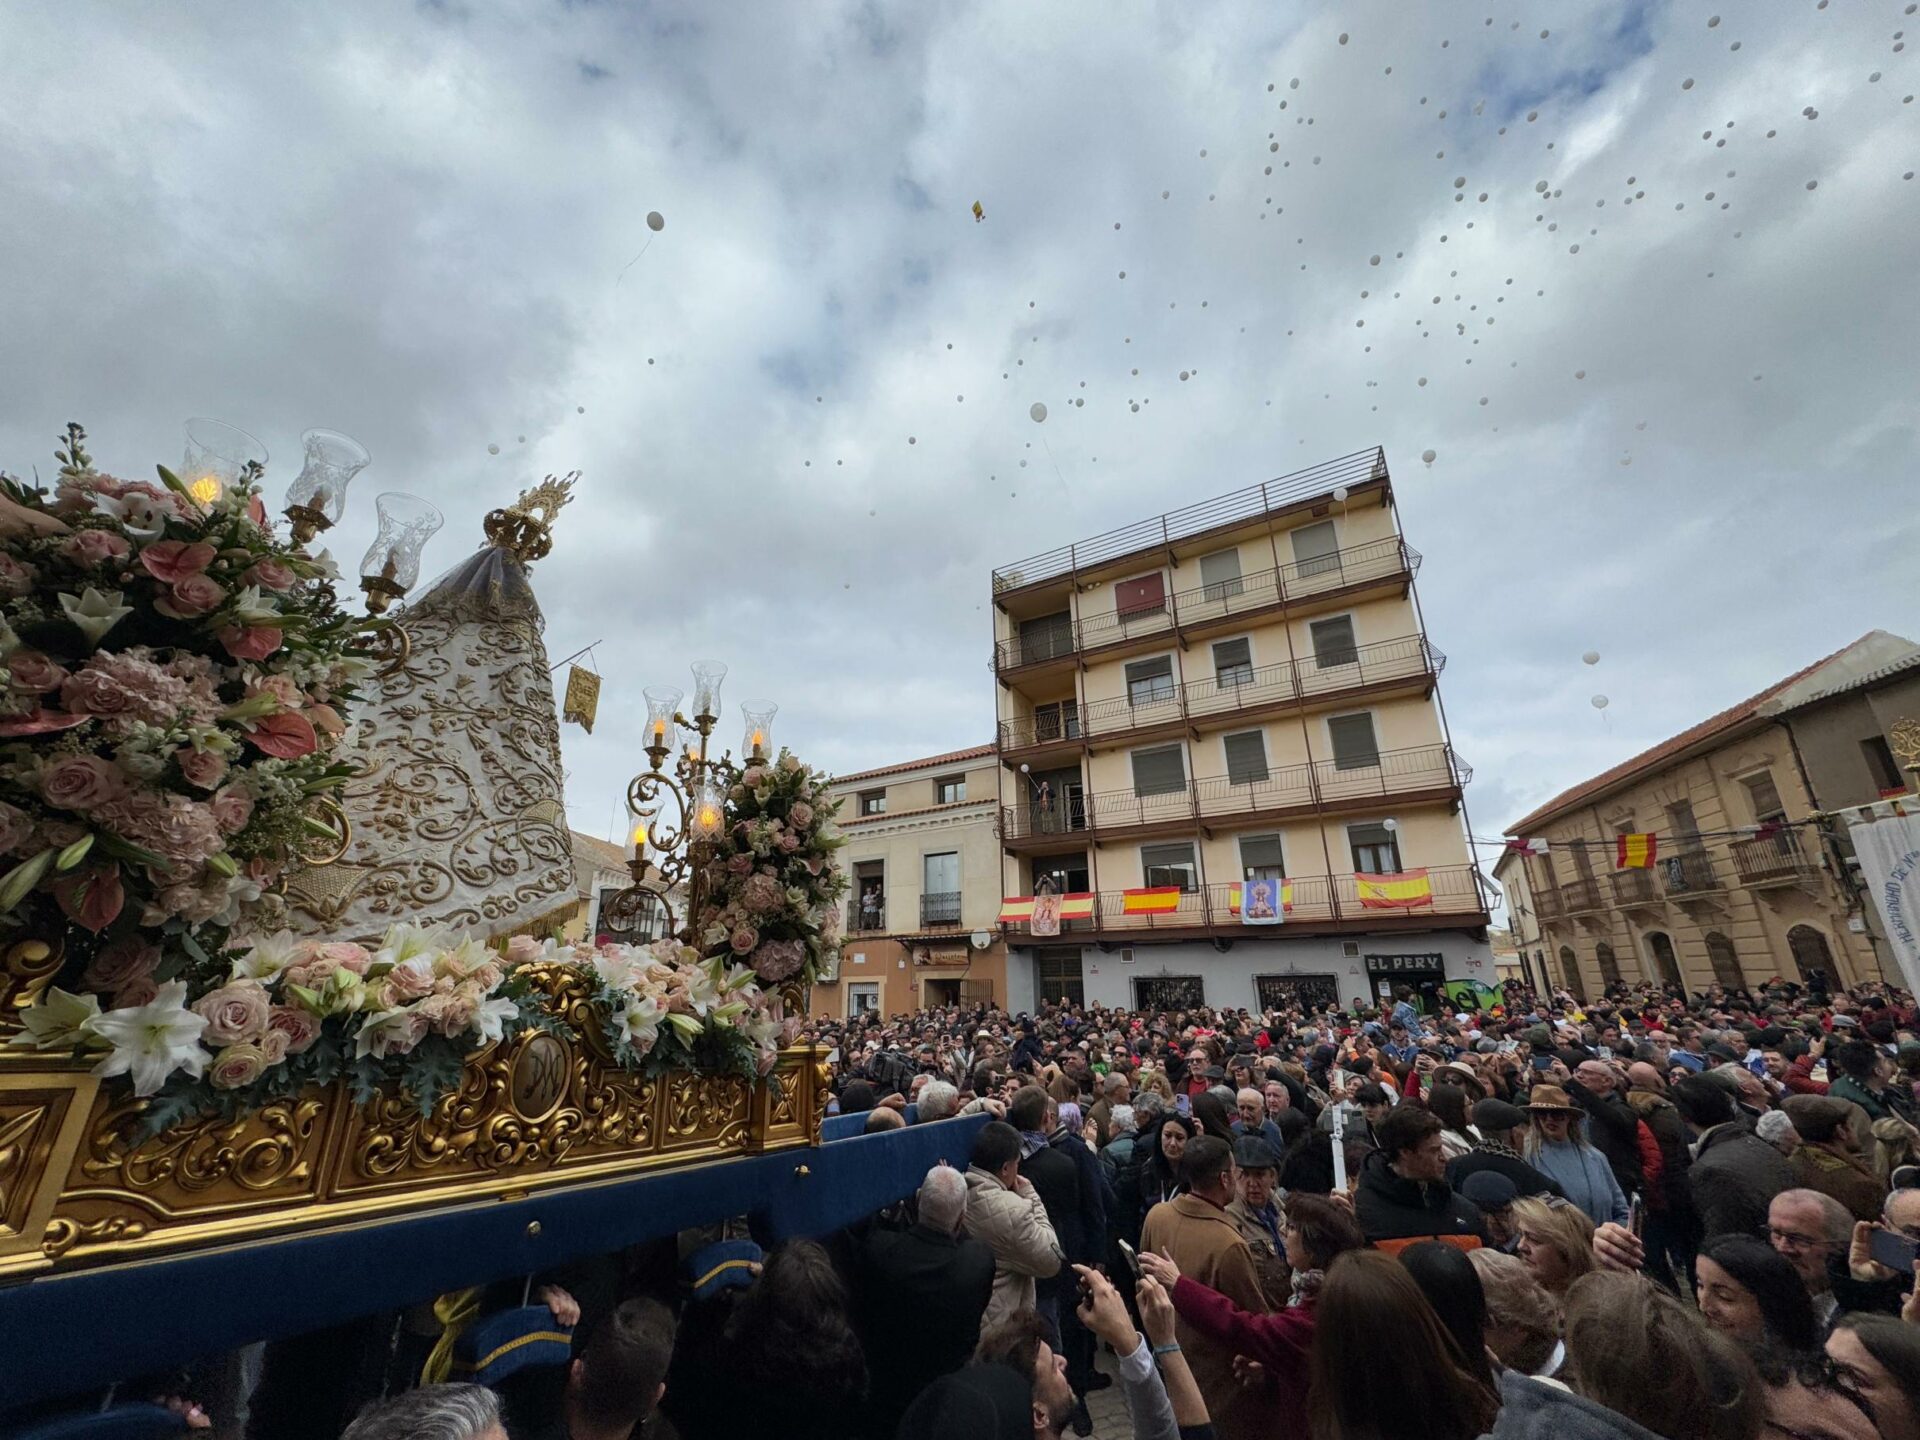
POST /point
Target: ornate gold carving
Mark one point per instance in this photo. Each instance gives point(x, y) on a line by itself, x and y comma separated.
point(27, 968)
point(784, 1103)
point(63, 1232)
point(538, 1079)
point(526, 527)
point(19, 1125)
point(1903, 738)
point(711, 1108)
point(256, 1153)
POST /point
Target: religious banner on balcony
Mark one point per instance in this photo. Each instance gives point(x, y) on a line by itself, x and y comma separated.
point(1156, 900)
point(1403, 890)
point(1263, 901)
point(1889, 853)
point(1027, 910)
point(1636, 851)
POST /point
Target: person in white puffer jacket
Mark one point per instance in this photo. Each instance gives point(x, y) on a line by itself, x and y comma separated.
point(1004, 1211)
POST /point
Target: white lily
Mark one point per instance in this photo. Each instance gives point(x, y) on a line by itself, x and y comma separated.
point(95, 612)
point(59, 1022)
point(703, 991)
point(619, 971)
point(404, 942)
point(250, 607)
point(325, 565)
point(639, 1022)
point(490, 1020)
point(152, 1041)
point(382, 1025)
point(269, 956)
point(139, 515)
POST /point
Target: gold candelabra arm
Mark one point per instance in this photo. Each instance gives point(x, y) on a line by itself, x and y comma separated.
point(390, 643)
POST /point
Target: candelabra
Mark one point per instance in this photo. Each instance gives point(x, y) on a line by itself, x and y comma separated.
point(681, 814)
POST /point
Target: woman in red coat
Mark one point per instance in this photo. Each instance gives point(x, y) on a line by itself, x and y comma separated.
point(1279, 1344)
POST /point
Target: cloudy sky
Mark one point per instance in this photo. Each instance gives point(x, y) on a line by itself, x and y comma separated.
point(1644, 284)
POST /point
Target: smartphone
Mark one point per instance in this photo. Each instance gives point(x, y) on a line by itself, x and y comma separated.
point(1636, 1214)
point(1133, 1260)
point(1543, 1062)
point(1182, 1105)
point(1893, 1250)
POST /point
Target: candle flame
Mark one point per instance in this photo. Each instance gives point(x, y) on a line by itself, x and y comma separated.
point(205, 490)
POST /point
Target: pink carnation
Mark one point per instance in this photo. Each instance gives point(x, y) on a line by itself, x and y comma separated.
point(171, 561)
point(93, 547)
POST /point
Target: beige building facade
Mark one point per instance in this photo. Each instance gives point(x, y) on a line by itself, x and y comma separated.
point(1748, 883)
point(1239, 689)
point(922, 861)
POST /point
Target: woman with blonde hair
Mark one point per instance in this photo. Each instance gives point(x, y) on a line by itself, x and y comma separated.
point(1523, 1320)
point(1554, 1241)
point(1156, 1081)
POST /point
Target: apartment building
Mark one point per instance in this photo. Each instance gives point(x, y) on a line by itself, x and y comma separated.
point(1523, 920)
point(1749, 878)
point(1240, 690)
point(922, 860)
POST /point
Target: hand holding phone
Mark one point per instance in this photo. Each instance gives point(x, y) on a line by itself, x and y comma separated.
point(1892, 1249)
point(1127, 1254)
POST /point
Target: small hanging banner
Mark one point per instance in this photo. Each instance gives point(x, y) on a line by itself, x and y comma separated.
point(583, 697)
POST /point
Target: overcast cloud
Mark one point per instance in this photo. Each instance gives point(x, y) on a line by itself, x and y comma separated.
point(805, 432)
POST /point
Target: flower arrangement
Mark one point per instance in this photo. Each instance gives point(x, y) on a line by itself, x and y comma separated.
point(174, 682)
point(773, 884)
point(285, 1013)
point(664, 1007)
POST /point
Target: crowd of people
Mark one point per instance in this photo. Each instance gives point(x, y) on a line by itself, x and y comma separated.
point(1692, 1218)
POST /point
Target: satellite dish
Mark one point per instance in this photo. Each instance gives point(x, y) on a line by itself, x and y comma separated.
point(981, 939)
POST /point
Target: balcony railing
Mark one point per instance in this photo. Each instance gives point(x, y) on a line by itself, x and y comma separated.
point(1687, 872)
point(1323, 676)
point(861, 921)
point(1323, 784)
point(1312, 900)
point(1546, 902)
point(1772, 860)
point(940, 908)
point(1578, 895)
point(1358, 564)
point(1247, 504)
point(1633, 887)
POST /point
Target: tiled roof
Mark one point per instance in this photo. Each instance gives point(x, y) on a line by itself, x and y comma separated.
point(1861, 682)
point(591, 853)
point(978, 752)
point(1648, 760)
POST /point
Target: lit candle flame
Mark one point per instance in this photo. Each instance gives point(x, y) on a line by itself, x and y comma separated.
point(205, 490)
point(707, 818)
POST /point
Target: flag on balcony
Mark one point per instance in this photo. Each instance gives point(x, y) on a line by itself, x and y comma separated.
point(1015, 909)
point(1267, 903)
point(1405, 890)
point(1537, 845)
point(1159, 900)
point(1635, 852)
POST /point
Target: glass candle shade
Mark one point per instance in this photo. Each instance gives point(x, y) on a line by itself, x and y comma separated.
point(217, 455)
point(318, 496)
point(662, 701)
point(392, 562)
point(757, 744)
point(707, 675)
point(709, 813)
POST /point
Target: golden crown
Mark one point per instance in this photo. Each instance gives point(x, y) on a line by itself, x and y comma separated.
point(526, 527)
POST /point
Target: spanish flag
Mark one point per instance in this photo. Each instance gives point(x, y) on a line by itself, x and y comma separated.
point(1406, 890)
point(1161, 900)
point(1635, 852)
point(1016, 909)
point(1286, 897)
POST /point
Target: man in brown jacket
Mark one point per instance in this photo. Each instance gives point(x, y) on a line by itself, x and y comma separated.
point(1196, 1233)
point(1828, 1160)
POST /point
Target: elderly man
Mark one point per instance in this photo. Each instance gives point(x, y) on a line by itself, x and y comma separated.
point(447, 1412)
point(1810, 1230)
point(1252, 1119)
point(920, 1297)
point(1828, 1159)
point(1256, 1175)
point(940, 1101)
point(1113, 1091)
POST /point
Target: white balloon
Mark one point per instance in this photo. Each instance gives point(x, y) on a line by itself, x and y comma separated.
point(656, 221)
point(1389, 824)
point(1340, 492)
point(1599, 702)
point(1428, 456)
point(1038, 412)
point(1592, 657)
point(493, 449)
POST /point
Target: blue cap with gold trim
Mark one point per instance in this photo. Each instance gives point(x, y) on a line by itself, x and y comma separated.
point(723, 1265)
point(496, 1346)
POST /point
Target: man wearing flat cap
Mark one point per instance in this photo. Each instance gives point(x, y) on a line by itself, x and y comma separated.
point(1828, 1159)
point(1502, 1129)
point(1257, 1217)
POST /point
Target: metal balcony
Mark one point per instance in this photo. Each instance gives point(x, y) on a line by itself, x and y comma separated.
point(940, 908)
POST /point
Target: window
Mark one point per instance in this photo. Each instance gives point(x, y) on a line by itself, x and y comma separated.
point(1316, 551)
point(940, 889)
point(1149, 681)
point(1046, 637)
point(1246, 758)
point(1680, 820)
point(862, 1000)
point(1060, 977)
point(867, 900)
point(1725, 962)
point(950, 791)
point(1140, 596)
point(1764, 797)
point(1169, 865)
point(1159, 772)
point(1233, 663)
point(873, 802)
point(1810, 951)
point(1375, 849)
point(1057, 721)
point(1609, 963)
point(1570, 973)
point(1261, 857)
point(1880, 765)
point(1354, 745)
point(1333, 642)
point(1220, 575)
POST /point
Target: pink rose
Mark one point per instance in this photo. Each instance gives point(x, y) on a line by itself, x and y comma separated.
point(450, 1014)
point(249, 642)
point(203, 768)
point(343, 953)
point(800, 815)
point(522, 950)
point(191, 596)
point(281, 688)
point(753, 776)
point(16, 828)
point(93, 547)
point(81, 782)
point(237, 1066)
point(275, 1045)
point(743, 940)
point(118, 963)
point(740, 865)
point(34, 672)
point(171, 561)
point(235, 1013)
point(788, 842)
point(232, 808)
point(285, 736)
point(270, 575)
point(135, 993)
point(300, 1028)
point(408, 981)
